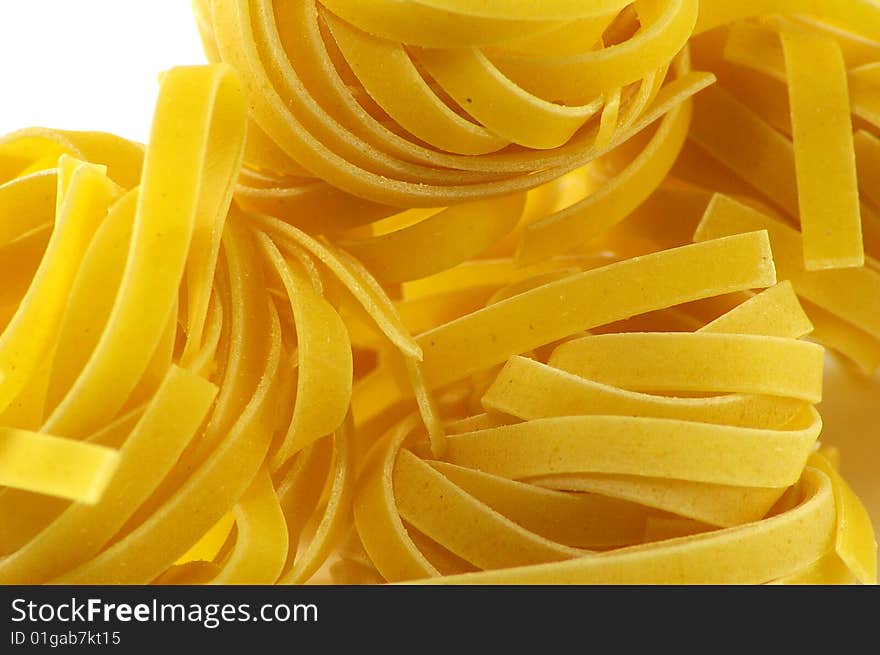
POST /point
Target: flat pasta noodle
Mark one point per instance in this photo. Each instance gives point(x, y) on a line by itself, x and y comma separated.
point(336, 510)
point(152, 448)
point(672, 448)
point(529, 390)
point(27, 203)
point(601, 210)
point(53, 465)
point(853, 544)
point(163, 227)
point(847, 293)
point(824, 152)
point(713, 557)
point(714, 363)
point(261, 542)
point(470, 228)
point(559, 309)
point(35, 324)
point(324, 365)
point(708, 503)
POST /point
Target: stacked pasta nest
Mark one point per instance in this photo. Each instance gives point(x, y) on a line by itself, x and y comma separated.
point(451, 291)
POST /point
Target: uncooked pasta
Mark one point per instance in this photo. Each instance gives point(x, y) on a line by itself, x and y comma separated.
point(452, 291)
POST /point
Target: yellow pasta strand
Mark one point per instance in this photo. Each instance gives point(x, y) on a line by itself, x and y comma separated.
point(824, 152)
point(261, 542)
point(27, 336)
point(152, 448)
point(702, 559)
point(851, 294)
point(324, 352)
point(855, 543)
point(528, 390)
point(52, 465)
point(163, 228)
point(561, 308)
point(662, 362)
point(667, 448)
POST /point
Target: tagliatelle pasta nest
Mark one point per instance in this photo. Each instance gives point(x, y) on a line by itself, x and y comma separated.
point(451, 291)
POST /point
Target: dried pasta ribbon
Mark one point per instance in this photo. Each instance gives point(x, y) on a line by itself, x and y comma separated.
point(402, 484)
point(599, 211)
point(722, 124)
point(36, 149)
point(556, 392)
point(717, 363)
point(757, 127)
point(85, 194)
point(151, 449)
point(324, 366)
point(775, 547)
point(405, 23)
point(851, 294)
point(261, 544)
point(559, 309)
point(168, 204)
point(667, 448)
point(452, 236)
point(854, 543)
point(859, 16)
point(26, 203)
point(53, 465)
point(824, 153)
point(336, 510)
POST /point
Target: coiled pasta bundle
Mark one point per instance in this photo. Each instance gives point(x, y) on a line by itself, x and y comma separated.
point(325, 154)
point(622, 456)
point(428, 104)
point(166, 372)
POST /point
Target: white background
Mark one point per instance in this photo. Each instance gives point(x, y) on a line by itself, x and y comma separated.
point(90, 64)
